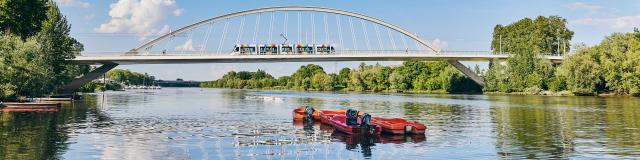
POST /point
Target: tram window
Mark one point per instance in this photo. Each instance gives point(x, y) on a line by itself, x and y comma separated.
point(305, 49)
point(247, 49)
point(269, 49)
point(287, 49)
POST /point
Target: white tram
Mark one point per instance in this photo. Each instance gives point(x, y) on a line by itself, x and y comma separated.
point(283, 49)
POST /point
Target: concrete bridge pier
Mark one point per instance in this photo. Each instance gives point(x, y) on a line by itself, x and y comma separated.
point(77, 83)
point(467, 71)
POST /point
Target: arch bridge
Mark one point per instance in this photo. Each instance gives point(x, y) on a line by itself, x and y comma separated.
point(309, 43)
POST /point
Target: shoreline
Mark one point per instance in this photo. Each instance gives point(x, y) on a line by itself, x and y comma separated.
point(542, 93)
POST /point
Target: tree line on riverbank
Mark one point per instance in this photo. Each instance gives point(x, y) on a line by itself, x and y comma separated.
point(34, 49)
point(613, 66)
point(411, 76)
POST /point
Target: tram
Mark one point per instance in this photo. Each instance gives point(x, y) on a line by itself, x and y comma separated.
point(283, 49)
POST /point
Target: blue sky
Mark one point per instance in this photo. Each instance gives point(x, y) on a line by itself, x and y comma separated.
point(120, 25)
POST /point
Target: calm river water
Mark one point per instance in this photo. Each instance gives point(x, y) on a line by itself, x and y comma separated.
point(195, 123)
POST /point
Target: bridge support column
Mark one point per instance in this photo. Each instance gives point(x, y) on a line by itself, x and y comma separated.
point(468, 72)
point(77, 83)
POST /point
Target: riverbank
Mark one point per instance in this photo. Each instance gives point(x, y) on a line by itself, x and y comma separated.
point(541, 93)
point(563, 94)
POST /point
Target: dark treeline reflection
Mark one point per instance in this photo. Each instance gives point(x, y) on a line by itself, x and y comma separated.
point(553, 127)
point(44, 135)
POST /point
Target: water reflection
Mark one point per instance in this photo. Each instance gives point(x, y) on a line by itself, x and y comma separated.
point(362, 144)
point(43, 135)
point(194, 123)
point(564, 127)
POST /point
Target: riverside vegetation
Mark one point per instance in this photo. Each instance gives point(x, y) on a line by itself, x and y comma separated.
point(120, 77)
point(613, 66)
point(34, 49)
point(411, 76)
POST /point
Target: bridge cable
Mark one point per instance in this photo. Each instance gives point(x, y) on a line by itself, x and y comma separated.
point(404, 41)
point(206, 37)
point(366, 36)
point(224, 35)
point(353, 35)
point(240, 30)
point(271, 28)
point(188, 39)
point(393, 42)
point(313, 29)
point(286, 21)
point(306, 36)
point(168, 43)
point(339, 30)
point(326, 29)
point(379, 39)
point(418, 48)
point(255, 29)
point(299, 28)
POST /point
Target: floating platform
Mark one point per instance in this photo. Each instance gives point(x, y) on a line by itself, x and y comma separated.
point(52, 99)
point(30, 106)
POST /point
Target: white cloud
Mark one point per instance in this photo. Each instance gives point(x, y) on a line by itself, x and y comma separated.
point(177, 12)
point(165, 29)
point(141, 17)
point(187, 46)
point(583, 6)
point(613, 23)
point(74, 3)
point(439, 44)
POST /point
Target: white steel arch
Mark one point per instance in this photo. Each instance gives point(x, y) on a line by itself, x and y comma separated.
point(285, 8)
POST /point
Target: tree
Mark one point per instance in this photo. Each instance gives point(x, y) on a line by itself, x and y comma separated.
point(544, 35)
point(343, 77)
point(581, 72)
point(35, 62)
point(22, 74)
point(302, 77)
point(22, 17)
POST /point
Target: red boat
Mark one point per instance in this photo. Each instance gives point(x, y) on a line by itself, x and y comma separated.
point(339, 122)
point(302, 112)
point(326, 114)
point(399, 126)
point(298, 113)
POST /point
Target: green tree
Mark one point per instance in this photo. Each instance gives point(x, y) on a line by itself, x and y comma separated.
point(543, 35)
point(22, 17)
point(343, 77)
point(581, 72)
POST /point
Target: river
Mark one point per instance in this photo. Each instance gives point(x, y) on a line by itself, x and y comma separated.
point(197, 123)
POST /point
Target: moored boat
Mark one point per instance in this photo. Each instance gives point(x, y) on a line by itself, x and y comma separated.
point(399, 126)
point(354, 125)
point(303, 112)
point(326, 114)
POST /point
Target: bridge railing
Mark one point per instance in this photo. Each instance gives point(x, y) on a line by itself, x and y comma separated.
point(337, 52)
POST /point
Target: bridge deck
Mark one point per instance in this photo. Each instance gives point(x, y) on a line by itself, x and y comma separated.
point(183, 59)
